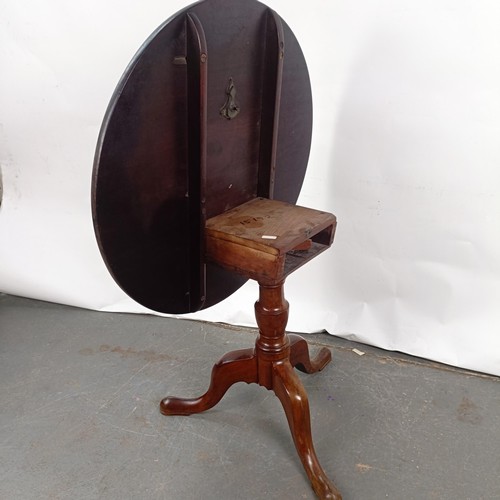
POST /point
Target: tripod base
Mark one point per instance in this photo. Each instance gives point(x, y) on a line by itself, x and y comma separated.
point(270, 364)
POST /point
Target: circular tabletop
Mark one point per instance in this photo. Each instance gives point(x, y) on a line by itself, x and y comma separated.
point(214, 109)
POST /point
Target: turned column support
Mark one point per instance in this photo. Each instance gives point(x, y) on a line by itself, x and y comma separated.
point(270, 364)
point(272, 344)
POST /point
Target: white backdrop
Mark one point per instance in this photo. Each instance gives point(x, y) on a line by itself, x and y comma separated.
point(406, 153)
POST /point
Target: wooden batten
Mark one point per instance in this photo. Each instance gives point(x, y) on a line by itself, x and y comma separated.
point(197, 63)
point(274, 54)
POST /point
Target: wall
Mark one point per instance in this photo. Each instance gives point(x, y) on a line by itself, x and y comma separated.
point(405, 152)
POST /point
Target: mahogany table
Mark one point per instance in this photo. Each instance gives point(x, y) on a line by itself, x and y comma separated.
point(199, 163)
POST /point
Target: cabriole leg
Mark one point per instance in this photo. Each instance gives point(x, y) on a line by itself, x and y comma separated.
point(290, 391)
point(236, 366)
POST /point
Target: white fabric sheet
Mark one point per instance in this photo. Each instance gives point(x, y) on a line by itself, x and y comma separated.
point(405, 152)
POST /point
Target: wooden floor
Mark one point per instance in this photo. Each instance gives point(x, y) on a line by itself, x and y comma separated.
point(79, 416)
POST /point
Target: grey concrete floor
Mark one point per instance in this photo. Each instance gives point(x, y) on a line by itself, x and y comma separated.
point(79, 416)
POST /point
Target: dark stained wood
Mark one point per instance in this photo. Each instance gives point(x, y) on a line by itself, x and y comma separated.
point(299, 356)
point(271, 102)
point(196, 60)
point(261, 239)
point(167, 158)
point(199, 162)
point(270, 364)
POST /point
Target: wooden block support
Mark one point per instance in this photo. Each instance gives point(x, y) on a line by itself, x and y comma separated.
point(266, 240)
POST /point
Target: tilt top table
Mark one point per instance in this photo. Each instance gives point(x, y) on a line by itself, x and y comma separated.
point(199, 163)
